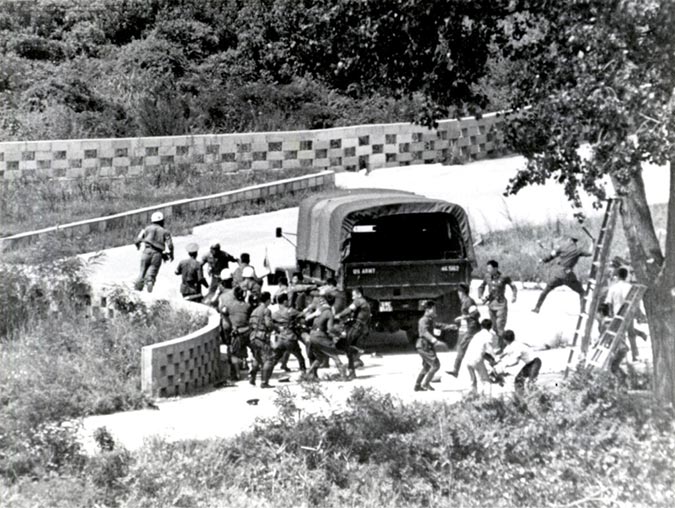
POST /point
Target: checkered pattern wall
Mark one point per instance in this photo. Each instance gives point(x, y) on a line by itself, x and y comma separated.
point(179, 366)
point(338, 149)
point(183, 365)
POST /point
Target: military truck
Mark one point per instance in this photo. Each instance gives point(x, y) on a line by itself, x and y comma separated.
point(401, 248)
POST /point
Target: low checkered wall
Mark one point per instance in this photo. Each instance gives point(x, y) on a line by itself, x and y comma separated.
point(137, 218)
point(183, 365)
point(338, 149)
point(180, 366)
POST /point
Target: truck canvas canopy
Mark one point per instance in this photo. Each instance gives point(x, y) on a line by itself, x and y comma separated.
point(327, 221)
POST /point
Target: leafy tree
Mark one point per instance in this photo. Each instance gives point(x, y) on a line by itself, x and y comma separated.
point(602, 72)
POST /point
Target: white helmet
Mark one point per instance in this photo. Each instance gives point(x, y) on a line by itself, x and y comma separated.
point(247, 272)
point(157, 217)
point(214, 243)
point(225, 274)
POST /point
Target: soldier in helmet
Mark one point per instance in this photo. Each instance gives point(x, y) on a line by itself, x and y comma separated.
point(158, 247)
point(192, 276)
point(250, 284)
point(238, 274)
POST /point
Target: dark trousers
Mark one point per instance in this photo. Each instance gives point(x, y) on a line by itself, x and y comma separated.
point(615, 363)
point(430, 364)
point(561, 277)
point(151, 261)
point(323, 348)
point(288, 348)
point(356, 332)
point(529, 371)
point(461, 348)
point(263, 360)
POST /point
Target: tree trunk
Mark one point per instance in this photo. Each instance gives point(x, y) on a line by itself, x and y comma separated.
point(664, 318)
point(658, 275)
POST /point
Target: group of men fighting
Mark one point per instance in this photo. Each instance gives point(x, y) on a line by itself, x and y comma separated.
point(308, 312)
point(314, 313)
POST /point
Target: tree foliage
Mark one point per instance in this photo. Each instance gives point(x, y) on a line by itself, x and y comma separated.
point(231, 65)
point(597, 72)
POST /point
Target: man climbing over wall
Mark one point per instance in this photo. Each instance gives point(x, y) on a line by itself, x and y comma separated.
point(158, 247)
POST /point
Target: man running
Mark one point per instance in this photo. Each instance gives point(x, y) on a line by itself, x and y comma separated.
point(425, 347)
point(158, 248)
point(471, 317)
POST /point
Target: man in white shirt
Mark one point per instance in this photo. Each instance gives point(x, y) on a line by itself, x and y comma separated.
point(480, 348)
point(516, 353)
point(616, 297)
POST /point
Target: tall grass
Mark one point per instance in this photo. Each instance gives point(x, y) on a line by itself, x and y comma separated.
point(586, 444)
point(30, 204)
point(60, 363)
point(519, 248)
point(57, 245)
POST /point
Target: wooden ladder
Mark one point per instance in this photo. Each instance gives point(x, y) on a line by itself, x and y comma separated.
point(596, 280)
point(601, 353)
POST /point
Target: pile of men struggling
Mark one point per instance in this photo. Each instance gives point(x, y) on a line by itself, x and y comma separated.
point(308, 312)
point(314, 313)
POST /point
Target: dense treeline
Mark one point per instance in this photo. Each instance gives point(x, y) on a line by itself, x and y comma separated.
point(92, 68)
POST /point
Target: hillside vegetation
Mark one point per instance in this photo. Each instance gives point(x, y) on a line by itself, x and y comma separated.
point(115, 68)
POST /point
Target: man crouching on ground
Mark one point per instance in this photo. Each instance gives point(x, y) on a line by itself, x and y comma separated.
point(425, 347)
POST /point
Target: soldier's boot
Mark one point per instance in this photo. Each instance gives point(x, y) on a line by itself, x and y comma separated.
point(351, 374)
point(138, 285)
point(150, 286)
point(265, 376)
point(418, 382)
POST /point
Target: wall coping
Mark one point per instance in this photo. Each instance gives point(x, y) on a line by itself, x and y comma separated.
point(162, 206)
point(254, 133)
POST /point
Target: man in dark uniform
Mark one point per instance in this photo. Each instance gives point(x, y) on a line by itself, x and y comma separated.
point(261, 326)
point(358, 327)
point(286, 322)
point(471, 318)
point(425, 347)
point(322, 339)
point(192, 276)
point(496, 283)
point(563, 273)
point(158, 248)
point(235, 314)
point(217, 261)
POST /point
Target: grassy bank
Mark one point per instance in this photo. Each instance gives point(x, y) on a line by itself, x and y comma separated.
point(59, 363)
point(57, 245)
point(28, 205)
point(518, 250)
point(588, 443)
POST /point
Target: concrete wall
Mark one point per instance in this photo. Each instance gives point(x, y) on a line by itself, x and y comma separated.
point(135, 219)
point(183, 365)
point(179, 366)
point(338, 149)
